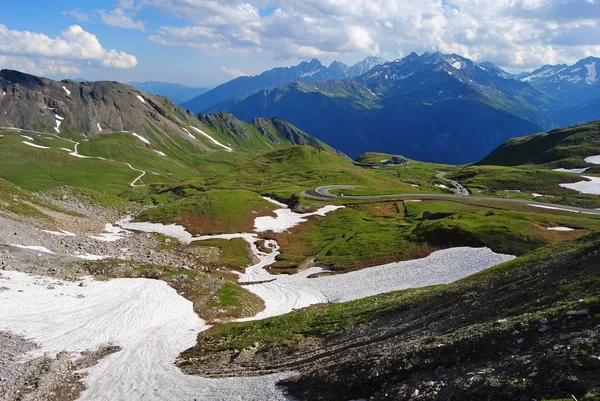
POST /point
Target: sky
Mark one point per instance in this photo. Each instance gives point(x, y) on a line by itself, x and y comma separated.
point(203, 43)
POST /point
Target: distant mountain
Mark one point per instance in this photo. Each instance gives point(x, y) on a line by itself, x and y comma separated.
point(571, 84)
point(176, 92)
point(303, 72)
point(364, 66)
point(433, 107)
point(494, 69)
point(580, 113)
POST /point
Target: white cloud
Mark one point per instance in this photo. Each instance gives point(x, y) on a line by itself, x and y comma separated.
point(77, 14)
point(233, 72)
point(513, 33)
point(120, 18)
point(73, 44)
point(39, 67)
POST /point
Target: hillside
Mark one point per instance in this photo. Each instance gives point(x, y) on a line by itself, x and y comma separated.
point(562, 148)
point(525, 329)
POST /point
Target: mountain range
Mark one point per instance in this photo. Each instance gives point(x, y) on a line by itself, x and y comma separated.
point(304, 72)
point(97, 110)
point(436, 107)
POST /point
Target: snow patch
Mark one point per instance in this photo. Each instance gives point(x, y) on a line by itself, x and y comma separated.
point(158, 152)
point(592, 186)
point(593, 159)
point(213, 140)
point(27, 137)
point(58, 117)
point(67, 91)
point(188, 132)
point(34, 248)
point(592, 76)
point(553, 208)
point(99, 127)
point(287, 219)
point(560, 229)
point(441, 186)
point(572, 170)
point(141, 138)
point(89, 256)
point(61, 233)
point(33, 145)
point(141, 99)
point(111, 234)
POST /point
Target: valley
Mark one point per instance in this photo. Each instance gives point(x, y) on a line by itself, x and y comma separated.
point(150, 253)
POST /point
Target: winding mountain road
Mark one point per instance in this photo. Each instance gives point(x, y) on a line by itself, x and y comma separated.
point(324, 193)
point(76, 153)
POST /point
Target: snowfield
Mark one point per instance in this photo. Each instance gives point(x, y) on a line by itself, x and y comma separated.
point(146, 318)
point(591, 186)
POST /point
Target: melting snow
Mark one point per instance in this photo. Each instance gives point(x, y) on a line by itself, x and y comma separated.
point(58, 117)
point(58, 122)
point(61, 233)
point(560, 229)
point(287, 219)
point(99, 127)
point(66, 90)
point(188, 132)
point(593, 159)
point(585, 187)
point(213, 140)
point(572, 170)
point(146, 318)
point(33, 248)
point(141, 99)
point(111, 234)
point(89, 256)
point(553, 208)
point(33, 145)
point(158, 152)
point(141, 138)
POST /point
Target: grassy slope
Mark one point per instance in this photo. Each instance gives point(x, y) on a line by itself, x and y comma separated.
point(368, 234)
point(286, 172)
point(213, 211)
point(488, 323)
point(565, 147)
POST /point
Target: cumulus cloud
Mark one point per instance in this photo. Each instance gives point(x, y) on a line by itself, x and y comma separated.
point(73, 44)
point(513, 33)
point(120, 18)
point(233, 72)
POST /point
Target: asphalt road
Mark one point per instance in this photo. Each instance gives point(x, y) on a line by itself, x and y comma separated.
point(323, 193)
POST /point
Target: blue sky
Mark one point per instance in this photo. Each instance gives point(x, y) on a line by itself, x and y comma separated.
point(206, 42)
